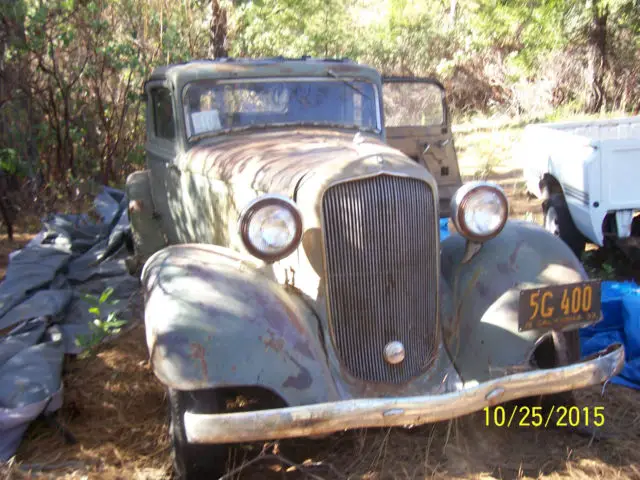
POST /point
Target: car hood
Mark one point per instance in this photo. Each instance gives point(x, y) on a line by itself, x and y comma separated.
point(275, 162)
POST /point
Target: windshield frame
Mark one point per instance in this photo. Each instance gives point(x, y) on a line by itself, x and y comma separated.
point(378, 130)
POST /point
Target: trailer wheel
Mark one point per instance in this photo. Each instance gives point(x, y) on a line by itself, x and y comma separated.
point(557, 220)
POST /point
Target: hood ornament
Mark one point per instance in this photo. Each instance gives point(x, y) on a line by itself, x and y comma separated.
point(394, 352)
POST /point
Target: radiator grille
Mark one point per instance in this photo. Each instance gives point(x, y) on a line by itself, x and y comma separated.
point(381, 261)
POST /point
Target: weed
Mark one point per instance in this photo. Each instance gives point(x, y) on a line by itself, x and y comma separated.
point(100, 329)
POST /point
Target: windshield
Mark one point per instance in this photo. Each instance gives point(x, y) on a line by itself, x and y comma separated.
point(212, 107)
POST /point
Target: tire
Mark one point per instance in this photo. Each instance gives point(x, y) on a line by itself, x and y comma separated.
point(547, 355)
point(210, 461)
point(194, 461)
point(572, 355)
point(557, 221)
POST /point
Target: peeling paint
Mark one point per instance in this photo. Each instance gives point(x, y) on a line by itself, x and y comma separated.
point(276, 344)
point(304, 349)
point(301, 381)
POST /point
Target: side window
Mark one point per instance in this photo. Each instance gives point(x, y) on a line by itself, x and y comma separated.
point(413, 104)
point(163, 118)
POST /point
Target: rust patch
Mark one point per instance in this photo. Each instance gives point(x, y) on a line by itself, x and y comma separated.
point(276, 344)
point(301, 381)
point(198, 353)
point(274, 161)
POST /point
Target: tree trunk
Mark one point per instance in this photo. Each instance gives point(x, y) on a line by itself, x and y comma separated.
point(17, 73)
point(217, 31)
point(598, 54)
point(452, 12)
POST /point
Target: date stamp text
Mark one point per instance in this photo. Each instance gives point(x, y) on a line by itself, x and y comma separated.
point(527, 417)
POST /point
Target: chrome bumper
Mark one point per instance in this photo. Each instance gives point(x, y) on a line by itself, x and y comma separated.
point(322, 418)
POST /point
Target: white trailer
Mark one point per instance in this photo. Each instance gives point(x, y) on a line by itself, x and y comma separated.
point(588, 174)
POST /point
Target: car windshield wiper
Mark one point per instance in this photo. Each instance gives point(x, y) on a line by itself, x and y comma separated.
point(333, 74)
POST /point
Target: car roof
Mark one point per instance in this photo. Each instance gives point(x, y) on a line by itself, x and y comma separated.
point(224, 68)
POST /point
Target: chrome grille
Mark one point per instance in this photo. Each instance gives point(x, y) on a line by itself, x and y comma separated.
point(381, 264)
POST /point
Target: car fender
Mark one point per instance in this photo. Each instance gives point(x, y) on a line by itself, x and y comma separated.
point(481, 327)
point(216, 318)
point(147, 233)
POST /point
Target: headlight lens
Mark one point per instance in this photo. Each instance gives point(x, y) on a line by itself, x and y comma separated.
point(271, 227)
point(480, 210)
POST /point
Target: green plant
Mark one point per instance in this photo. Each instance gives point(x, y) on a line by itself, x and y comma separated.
point(10, 162)
point(100, 329)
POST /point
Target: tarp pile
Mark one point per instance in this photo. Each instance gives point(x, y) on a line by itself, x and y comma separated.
point(44, 307)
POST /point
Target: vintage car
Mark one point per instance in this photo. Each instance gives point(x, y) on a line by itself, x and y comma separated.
point(295, 282)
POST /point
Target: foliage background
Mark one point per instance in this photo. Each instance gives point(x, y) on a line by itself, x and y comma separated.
point(71, 71)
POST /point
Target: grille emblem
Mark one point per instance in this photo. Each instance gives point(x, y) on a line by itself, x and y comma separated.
point(394, 352)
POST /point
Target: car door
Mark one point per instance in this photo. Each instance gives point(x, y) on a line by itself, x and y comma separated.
point(417, 122)
point(161, 150)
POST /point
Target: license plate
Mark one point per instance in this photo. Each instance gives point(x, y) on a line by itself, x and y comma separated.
point(558, 306)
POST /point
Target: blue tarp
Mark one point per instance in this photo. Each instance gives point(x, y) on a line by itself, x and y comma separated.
point(620, 324)
point(43, 310)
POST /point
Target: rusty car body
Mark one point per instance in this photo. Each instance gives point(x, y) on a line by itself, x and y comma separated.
point(288, 221)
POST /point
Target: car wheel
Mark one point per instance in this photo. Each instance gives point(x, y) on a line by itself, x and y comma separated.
point(211, 461)
point(557, 221)
point(552, 353)
point(193, 461)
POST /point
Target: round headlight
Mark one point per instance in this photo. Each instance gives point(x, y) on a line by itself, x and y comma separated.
point(479, 210)
point(271, 227)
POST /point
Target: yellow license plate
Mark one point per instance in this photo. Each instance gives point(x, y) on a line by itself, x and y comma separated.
point(557, 306)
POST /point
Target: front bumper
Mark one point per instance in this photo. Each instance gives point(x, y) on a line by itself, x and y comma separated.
point(324, 418)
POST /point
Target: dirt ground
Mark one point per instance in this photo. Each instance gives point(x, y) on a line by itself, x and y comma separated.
point(116, 411)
